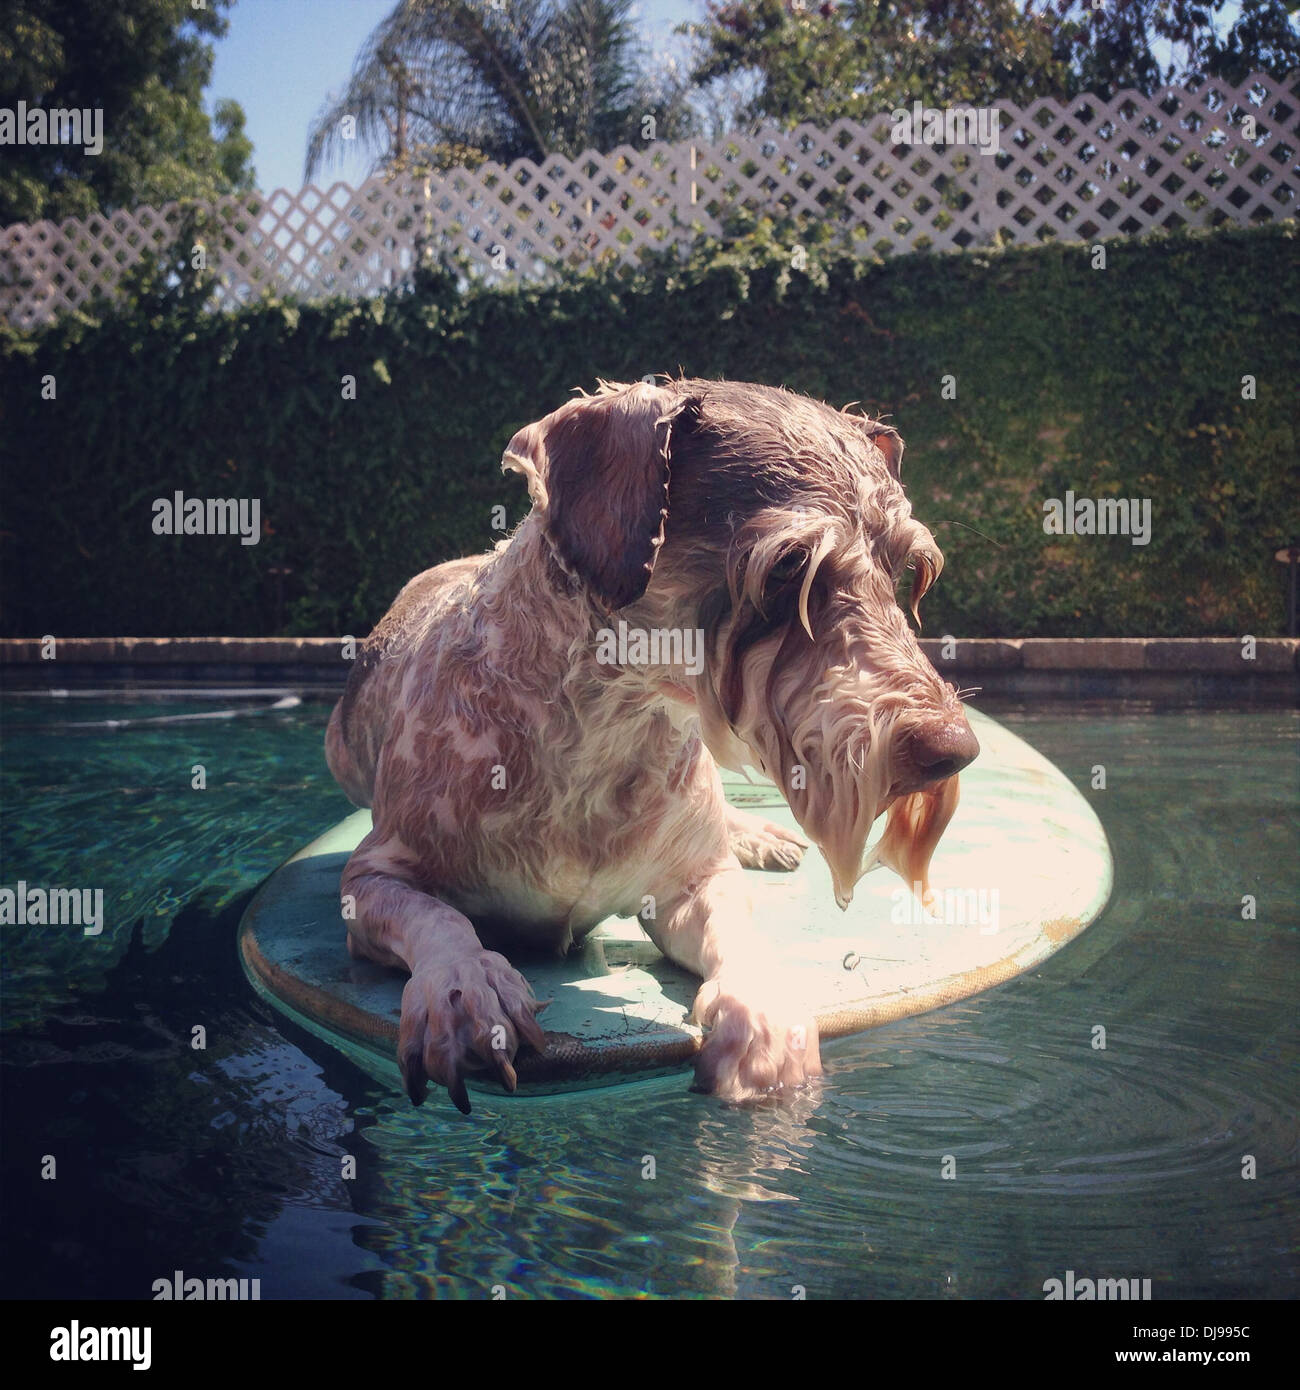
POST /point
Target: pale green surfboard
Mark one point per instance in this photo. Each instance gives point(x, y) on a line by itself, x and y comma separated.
point(1025, 862)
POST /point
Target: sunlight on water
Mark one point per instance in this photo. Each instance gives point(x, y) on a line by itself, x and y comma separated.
point(1119, 1162)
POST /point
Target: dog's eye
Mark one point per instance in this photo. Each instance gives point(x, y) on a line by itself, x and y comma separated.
point(787, 570)
point(781, 586)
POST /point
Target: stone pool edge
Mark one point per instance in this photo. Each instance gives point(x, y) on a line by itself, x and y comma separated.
point(1067, 666)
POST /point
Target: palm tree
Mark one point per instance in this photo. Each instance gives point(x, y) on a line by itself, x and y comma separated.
point(446, 82)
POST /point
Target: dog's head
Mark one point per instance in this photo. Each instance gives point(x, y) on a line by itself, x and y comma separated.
point(779, 528)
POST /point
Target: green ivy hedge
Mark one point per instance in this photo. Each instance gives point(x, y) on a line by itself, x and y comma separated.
point(1122, 381)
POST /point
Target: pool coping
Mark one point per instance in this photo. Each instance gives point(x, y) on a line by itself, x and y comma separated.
point(1071, 666)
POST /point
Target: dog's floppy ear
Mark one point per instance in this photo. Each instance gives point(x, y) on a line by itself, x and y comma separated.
point(887, 439)
point(598, 473)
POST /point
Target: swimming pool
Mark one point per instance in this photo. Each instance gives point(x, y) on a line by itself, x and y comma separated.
point(230, 1160)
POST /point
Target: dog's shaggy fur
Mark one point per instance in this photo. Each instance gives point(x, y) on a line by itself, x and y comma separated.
point(523, 789)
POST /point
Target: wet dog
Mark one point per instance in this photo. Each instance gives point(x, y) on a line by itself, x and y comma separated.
point(707, 576)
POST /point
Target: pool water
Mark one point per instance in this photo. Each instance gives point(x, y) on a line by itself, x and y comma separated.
point(233, 1159)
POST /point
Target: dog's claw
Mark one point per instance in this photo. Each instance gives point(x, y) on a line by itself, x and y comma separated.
point(459, 1095)
point(417, 1086)
point(468, 1014)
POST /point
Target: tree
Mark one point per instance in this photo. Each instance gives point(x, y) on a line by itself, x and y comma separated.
point(144, 65)
point(855, 58)
point(444, 82)
point(1118, 45)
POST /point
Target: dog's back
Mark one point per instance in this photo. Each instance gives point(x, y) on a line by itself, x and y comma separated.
point(358, 725)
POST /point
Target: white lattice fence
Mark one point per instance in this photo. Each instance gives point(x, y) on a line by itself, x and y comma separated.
point(1199, 155)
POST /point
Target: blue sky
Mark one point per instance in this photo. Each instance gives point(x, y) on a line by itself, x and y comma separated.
point(282, 58)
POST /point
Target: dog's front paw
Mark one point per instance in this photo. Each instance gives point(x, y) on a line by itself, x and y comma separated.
point(465, 1015)
point(752, 1048)
point(762, 844)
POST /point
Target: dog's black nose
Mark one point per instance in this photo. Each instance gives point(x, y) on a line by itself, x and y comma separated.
point(942, 749)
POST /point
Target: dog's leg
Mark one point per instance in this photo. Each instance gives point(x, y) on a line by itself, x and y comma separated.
point(759, 1038)
point(464, 1008)
point(762, 844)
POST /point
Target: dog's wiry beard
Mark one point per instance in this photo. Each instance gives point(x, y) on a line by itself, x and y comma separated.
point(827, 748)
point(823, 717)
point(914, 827)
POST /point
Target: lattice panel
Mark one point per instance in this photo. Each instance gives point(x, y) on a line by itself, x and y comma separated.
point(891, 197)
point(314, 244)
point(1186, 158)
point(1083, 170)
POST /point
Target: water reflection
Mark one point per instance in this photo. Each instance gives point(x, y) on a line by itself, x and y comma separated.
point(974, 1152)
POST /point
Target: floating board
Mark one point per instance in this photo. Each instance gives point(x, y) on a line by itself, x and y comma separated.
point(1022, 869)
